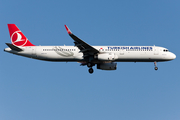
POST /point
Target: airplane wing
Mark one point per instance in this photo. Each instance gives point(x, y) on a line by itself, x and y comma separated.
point(85, 48)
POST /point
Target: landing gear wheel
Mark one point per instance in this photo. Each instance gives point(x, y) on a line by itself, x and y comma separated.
point(156, 68)
point(155, 64)
point(89, 64)
point(91, 70)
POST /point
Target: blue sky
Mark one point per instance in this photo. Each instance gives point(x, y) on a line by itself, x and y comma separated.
point(32, 89)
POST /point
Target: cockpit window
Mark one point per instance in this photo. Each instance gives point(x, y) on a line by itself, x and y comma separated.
point(165, 50)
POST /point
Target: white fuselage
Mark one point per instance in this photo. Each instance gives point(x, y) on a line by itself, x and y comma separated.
point(119, 53)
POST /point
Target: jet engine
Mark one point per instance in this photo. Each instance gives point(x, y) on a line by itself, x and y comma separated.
point(107, 66)
point(107, 57)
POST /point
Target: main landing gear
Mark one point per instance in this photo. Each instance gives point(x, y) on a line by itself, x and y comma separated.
point(91, 70)
point(155, 64)
point(90, 65)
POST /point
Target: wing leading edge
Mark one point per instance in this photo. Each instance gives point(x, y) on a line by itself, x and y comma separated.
point(85, 48)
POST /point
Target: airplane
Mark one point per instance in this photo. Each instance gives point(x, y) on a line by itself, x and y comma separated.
point(104, 57)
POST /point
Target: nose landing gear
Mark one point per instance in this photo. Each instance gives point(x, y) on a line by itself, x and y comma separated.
point(155, 64)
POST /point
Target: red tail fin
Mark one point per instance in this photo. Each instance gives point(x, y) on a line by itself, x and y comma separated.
point(17, 37)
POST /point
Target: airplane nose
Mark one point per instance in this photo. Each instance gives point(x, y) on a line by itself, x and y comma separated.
point(173, 56)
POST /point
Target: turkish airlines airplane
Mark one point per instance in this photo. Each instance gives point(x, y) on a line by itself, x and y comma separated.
point(105, 57)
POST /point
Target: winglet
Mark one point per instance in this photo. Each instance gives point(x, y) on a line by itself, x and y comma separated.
point(68, 30)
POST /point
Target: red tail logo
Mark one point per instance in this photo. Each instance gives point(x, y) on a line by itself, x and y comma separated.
point(17, 37)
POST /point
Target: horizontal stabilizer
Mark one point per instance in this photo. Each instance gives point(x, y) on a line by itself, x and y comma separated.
point(13, 47)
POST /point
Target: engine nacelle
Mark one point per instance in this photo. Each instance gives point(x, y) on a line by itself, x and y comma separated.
point(107, 57)
point(107, 66)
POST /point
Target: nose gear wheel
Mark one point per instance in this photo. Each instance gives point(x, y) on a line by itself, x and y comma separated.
point(155, 64)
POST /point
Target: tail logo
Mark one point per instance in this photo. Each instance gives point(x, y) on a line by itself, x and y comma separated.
point(18, 39)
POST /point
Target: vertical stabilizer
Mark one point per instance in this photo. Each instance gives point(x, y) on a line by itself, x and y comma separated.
point(17, 37)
